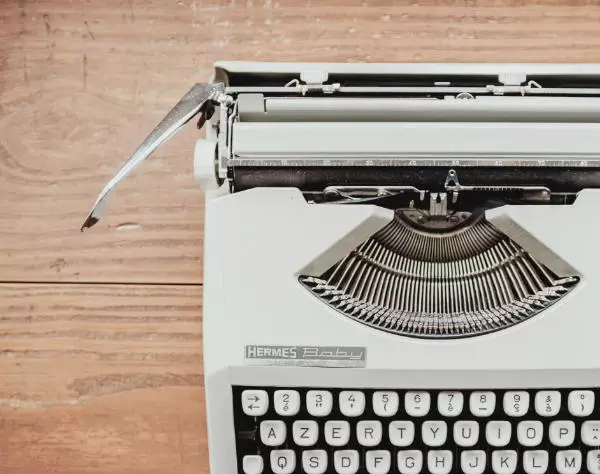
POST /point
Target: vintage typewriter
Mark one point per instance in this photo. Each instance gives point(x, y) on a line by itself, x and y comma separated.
point(402, 271)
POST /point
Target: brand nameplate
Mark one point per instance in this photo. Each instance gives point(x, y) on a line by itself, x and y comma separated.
point(306, 356)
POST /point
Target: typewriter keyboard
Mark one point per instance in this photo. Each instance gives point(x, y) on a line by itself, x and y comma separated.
point(322, 430)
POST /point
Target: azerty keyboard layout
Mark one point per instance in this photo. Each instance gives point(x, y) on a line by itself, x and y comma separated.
point(318, 431)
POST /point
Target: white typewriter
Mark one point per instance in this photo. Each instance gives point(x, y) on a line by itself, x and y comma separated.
point(402, 271)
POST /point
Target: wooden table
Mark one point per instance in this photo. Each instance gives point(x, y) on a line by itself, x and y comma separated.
point(100, 333)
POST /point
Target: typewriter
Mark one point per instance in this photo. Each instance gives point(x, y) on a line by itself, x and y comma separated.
point(402, 271)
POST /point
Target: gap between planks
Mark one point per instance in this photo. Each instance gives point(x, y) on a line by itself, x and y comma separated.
point(97, 283)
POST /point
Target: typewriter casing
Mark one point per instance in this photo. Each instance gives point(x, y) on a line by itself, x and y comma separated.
point(257, 242)
point(412, 227)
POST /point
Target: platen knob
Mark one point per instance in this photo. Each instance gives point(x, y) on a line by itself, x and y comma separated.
point(204, 164)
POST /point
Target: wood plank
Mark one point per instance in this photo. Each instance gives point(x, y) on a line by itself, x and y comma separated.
point(101, 379)
point(81, 83)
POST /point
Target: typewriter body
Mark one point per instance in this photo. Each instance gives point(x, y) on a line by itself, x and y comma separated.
point(401, 266)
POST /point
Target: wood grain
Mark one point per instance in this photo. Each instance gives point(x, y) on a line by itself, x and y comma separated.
point(81, 84)
point(101, 378)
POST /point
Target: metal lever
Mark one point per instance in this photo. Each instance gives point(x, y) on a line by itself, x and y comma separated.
point(187, 108)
